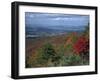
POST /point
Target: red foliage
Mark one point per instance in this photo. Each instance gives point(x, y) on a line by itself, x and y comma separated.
point(81, 45)
point(70, 39)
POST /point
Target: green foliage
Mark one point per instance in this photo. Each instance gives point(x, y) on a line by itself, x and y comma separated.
point(68, 48)
point(48, 57)
point(70, 60)
point(74, 59)
point(46, 54)
point(48, 51)
point(86, 32)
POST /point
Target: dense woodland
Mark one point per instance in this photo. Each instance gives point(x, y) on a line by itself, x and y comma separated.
point(70, 49)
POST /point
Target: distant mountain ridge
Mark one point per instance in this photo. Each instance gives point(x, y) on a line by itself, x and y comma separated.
point(43, 31)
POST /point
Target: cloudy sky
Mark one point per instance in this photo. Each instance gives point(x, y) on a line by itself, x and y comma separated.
point(56, 21)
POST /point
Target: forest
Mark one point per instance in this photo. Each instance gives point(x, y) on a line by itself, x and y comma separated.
point(67, 49)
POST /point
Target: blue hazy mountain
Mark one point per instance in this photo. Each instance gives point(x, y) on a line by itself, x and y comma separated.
point(41, 31)
point(47, 24)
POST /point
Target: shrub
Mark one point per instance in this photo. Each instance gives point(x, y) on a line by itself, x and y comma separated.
point(46, 54)
point(81, 46)
point(48, 51)
point(70, 60)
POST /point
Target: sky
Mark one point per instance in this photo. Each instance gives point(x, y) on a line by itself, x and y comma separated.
point(56, 20)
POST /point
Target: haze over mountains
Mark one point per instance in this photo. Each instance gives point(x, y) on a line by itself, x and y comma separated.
point(46, 24)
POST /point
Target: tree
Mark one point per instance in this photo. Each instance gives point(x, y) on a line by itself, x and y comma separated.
point(46, 54)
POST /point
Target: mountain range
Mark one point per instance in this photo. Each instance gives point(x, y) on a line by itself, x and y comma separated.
point(43, 31)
